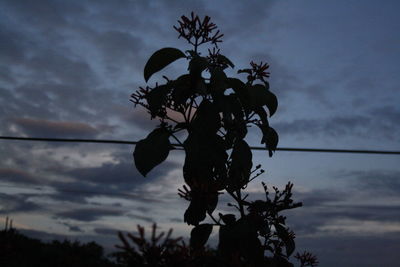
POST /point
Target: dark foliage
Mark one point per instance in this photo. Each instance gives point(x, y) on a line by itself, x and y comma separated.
point(213, 112)
point(17, 250)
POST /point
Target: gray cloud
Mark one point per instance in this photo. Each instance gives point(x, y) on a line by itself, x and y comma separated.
point(17, 176)
point(386, 182)
point(73, 228)
point(46, 128)
point(376, 125)
point(12, 203)
point(88, 215)
point(106, 231)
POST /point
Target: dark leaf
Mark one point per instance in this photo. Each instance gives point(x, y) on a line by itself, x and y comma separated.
point(260, 96)
point(286, 238)
point(196, 212)
point(152, 150)
point(235, 84)
point(197, 65)
point(205, 160)
point(160, 59)
point(245, 71)
point(271, 102)
point(271, 140)
point(260, 111)
point(218, 81)
point(156, 98)
point(228, 219)
point(224, 60)
point(182, 89)
point(240, 90)
point(207, 118)
point(199, 235)
point(239, 172)
point(212, 201)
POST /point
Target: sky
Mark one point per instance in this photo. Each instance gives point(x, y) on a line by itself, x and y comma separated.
point(67, 69)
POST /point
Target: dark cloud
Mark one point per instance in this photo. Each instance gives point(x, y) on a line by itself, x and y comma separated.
point(382, 182)
point(73, 228)
point(350, 250)
point(375, 126)
point(144, 218)
point(88, 215)
point(46, 128)
point(17, 176)
point(106, 231)
point(12, 203)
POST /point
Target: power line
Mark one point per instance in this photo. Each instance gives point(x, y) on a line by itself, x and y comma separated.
point(125, 142)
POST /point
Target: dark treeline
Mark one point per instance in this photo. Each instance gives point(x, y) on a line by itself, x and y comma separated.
point(18, 250)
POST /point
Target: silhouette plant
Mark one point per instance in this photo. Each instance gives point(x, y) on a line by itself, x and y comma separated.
point(211, 112)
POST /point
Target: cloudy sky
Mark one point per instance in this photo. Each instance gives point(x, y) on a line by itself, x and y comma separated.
point(67, 69)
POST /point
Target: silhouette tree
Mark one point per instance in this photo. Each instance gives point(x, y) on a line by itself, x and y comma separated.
point(18, 250)
point(212, 112)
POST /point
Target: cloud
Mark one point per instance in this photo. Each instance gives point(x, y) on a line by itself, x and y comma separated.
point(374, 126)
point(12, 203)
point(88, 215)
point(73, 228)
point(17, 176)
point(382, 182)
point(106, 231)
point(46, 128)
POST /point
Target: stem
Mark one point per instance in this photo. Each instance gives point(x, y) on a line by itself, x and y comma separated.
point(190, 109)
point(212, 217)
point(239, 195)
point(196, 44)
point(176, 139)
point(239, 201)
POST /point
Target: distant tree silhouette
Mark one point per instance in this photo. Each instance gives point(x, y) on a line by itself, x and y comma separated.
point(211, 112)
point(18, 250)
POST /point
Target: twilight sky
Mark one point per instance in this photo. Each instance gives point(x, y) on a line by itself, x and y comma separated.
point(67, 69)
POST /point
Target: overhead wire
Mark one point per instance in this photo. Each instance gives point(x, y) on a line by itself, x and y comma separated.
point(126, 142)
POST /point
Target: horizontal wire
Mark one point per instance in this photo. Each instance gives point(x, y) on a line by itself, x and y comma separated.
point(125, 142)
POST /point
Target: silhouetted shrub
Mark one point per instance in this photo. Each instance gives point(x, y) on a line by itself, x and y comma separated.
point(212, 113)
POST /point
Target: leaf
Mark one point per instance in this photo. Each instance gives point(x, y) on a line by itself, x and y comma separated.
point(235, 84)
point(286, 238)
point(160, 59)
point(244, 71)
point(152, 150)
point(182, 89)
point(228, 219)
point(199, 235)
point(205, 159)
point(196, 212)
point(156, 98)
point(271, 140)
point(240, 90)
point(260, 96)
point(272, 103)
point(224, 60)
point(218, 81)
point(197, 65)
point(207, 118)
point(239, 172)
point(262, 114)
point(211, 199)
